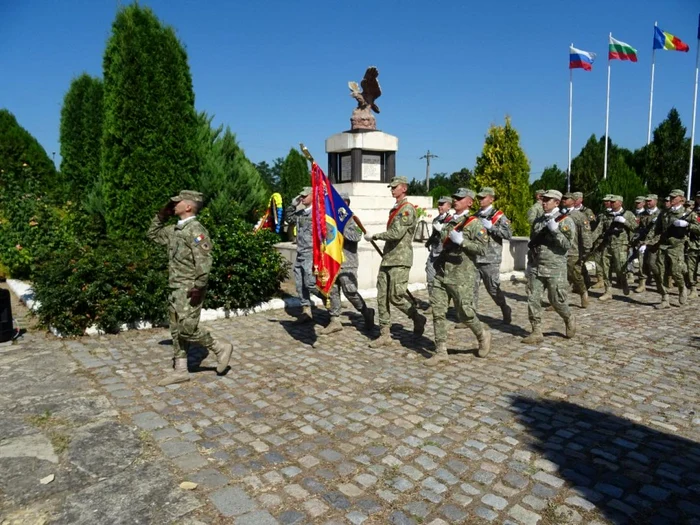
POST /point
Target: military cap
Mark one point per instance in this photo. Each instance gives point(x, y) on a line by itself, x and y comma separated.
point(396, 181)
point(188, 195)
point(577, 195)
point(608, 197)
point(614, 198)
point(486, 191)
point(652, 197)
point(676, 193)
point(539, 192)
point(552, 194)
point(641, 198)
point(463, 192)
point(443, 200)
point(305, 191)
point(568, 195)
point(667, 198)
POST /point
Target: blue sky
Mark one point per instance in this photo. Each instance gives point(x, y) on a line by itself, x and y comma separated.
point(276, 72)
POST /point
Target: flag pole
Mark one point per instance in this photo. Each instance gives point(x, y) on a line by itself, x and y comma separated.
point(695, 107)
point(571, 102)
point(607, 118)
point(651, 92)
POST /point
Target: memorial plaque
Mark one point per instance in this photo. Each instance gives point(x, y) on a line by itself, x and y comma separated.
point(371, 167)
point(345, 168)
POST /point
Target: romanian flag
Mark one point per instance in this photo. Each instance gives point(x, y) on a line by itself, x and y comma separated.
point(621, 51)
point(580, 59)
point(329, 214)
point(664, 40)
point(272, 219)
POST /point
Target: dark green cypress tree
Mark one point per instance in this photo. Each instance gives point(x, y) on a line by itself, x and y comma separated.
point(149, 149)
point(81, 134)
point(294, 175)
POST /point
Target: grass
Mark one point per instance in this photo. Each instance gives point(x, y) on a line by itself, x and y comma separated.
point(54, 428)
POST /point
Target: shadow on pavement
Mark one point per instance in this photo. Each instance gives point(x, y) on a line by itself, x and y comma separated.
point(630, 472)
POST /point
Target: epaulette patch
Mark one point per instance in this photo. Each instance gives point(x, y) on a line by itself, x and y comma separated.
point(481, 233)
point(565, 228)
point(199, 238)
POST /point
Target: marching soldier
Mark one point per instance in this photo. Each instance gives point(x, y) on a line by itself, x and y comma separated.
point(347, 281)
point(189, 263)
point(392, 280)
point(434, 244)
point(601, 225)
point(536, 209)
point(580, 246)
point(463, 238)
point(693, 253)
point(489, 264)
point(671, 231)
point(550, 239)
point(616, 238)
point(647, 257)
point(590, 216)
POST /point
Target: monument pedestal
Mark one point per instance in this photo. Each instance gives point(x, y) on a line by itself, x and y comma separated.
point(361, 156)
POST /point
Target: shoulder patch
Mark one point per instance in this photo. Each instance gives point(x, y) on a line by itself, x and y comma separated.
point(565, 227)
point(482, 232)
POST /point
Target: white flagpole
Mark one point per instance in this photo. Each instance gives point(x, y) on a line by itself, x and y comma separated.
point(571, 103)
point(607, 118)
point(651, 92)
point(695, 106)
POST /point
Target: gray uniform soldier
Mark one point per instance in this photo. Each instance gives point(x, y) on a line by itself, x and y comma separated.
point(619, 229)
point(536, 209)
point(644, 234)
point(550, 240)
point(347, 280)
point(298, 213)
point(489, 264)
point(464, 238)
point(434, 242)
point(580, 247)
point(189, 263)
point(392, 280)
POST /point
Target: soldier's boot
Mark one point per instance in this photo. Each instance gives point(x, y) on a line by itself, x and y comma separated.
point(334, 326)
point(368, 316)
point(440, 355)
point(570, 326)
point(507, 314)
point(384, 338)
point(419, 321)
point(223, 352)
point(683, 296)
point(536, 336)
point(305, 316)
point(484, 342)
point(607, 295)
point(692, 293)
point(625, 286)
point(641, 287)
point(598, 285)
point(584, 300)
point(664, 303)
point(179, 375)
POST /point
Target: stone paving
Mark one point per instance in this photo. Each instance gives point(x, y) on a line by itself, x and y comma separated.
point(600, 429)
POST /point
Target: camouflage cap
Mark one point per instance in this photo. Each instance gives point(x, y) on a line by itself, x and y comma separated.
point(608, 197)
point(539, 192)
point(443, 200)
point(188, 195)
point(552, 194)
point(568, 195)
point(577, 195)
point(676, 193)
point(640, 198)
point(615, 198)
point(463, 192)
point(486, 191)
point(396, 181)
point(652, 197)
point(667, 198)
point(306, 191)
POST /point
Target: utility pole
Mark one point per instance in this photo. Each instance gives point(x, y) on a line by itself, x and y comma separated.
point(427, 158)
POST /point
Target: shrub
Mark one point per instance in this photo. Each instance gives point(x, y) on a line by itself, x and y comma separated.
point(113, 283)
point(247, 268)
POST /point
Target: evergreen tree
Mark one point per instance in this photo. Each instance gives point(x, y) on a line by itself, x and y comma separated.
point(503, 166)
point(461, 178)
point(24, 165)
point(622, 180)
point(294, 175)
point(552, 178)
point(587, 166)
point(81, 135)
point(668, 156)
point(150, 125)
point(271, 174)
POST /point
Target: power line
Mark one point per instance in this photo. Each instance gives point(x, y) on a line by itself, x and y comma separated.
point(427, 158)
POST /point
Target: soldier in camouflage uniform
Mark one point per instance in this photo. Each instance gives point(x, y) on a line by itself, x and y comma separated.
point(602, 223)
point(434, 244)
point(670, 233)
point(580, 247)
point(647, 257)
point(590, 216)
point(189, 263)
point(464, 238)
point(692, 253)
point(392, 280)
point(536, 209)
point(620, 226)
point(550, 239)
point(347, 280)
point(489, 264)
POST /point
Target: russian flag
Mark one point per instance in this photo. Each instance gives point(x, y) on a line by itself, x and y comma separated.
point(580, 59)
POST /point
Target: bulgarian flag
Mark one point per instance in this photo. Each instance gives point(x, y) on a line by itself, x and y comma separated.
point(668, 42)
point(621, 51)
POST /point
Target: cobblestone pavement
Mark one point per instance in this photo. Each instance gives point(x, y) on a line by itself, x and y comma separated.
point(600, 429)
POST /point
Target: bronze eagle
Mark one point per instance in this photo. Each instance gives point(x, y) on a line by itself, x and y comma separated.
point(371, 90)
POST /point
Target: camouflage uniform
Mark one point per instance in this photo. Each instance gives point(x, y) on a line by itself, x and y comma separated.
point(615, 237)
point(347, 277)
point(592, 223)
point(549, 255)
point(692, 256)
point(303, 265)
point(534, 212)
point(602, 223)
point(434, 246)
point(580, 246)
point(489, 264)
point(643, 236)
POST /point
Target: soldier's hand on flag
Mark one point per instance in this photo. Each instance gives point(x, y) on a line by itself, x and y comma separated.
point(456, 237)
point(195, 296)
point(368, 237)
point(680, 223)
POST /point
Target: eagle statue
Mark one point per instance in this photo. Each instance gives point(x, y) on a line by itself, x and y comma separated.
point(362, 117)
